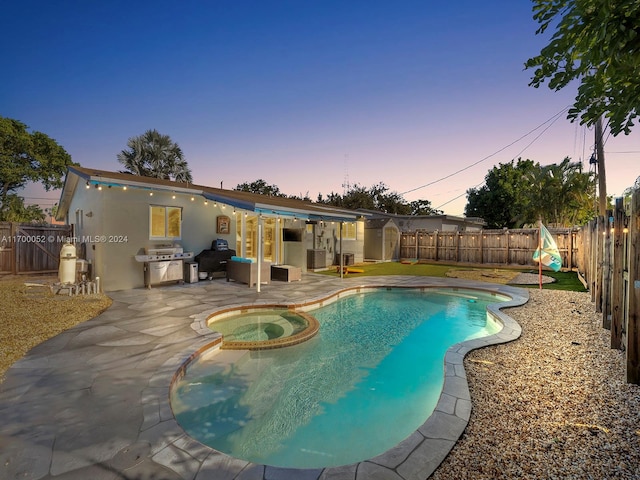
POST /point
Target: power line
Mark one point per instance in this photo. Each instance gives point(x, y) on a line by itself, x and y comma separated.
point(557, 116)
point(552, 119)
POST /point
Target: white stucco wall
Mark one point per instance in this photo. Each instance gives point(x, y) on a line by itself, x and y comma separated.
point(118, 228)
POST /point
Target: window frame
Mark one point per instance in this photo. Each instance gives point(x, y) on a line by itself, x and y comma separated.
point(349, 230)
point(167, 224)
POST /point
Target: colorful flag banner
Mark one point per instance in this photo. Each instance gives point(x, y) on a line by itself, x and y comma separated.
point(550, 255)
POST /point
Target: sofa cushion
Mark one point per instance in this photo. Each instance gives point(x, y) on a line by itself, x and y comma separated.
point(241, 259)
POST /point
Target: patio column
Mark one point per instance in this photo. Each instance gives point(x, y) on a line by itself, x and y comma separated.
point(341, 258)
point(259, 253)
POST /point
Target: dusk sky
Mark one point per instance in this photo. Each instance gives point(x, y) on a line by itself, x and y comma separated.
point(307, 95)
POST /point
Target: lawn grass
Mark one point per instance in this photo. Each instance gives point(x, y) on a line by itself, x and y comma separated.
point(564, 280)
point(397, 268)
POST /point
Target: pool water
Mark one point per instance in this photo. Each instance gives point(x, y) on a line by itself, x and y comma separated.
point(260, 326)
point(369, 379)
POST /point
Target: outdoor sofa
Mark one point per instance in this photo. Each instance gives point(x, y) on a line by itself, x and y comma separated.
point(245, 270)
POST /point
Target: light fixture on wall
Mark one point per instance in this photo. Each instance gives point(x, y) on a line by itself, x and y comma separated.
point(151, 194)
point(206, 202)
point(88, 185)
point(124, 187)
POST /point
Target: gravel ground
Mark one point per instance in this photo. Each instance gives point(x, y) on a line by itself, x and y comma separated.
point(30, 314)
point(553, 404)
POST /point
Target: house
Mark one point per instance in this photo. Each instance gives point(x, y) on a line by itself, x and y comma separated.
point(117, 216)
point(382, 230)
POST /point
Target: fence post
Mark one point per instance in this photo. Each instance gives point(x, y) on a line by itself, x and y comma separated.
point(599, 252)
point(506, 244)
point(606, 272)
point(14, 260)
point(435, 253)
point(571, 242)
point(633, 325)
point(617, 280)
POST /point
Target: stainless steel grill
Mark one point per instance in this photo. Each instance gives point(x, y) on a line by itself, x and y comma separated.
point(163, 264)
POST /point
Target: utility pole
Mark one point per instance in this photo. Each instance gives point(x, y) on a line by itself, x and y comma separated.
point(602, 178)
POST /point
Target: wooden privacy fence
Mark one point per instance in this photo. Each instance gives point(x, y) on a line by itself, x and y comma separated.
point(512, 247)
point(27, 248)
point(612, 271)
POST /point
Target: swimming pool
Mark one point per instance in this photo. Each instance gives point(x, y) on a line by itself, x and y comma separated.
point(374, 372)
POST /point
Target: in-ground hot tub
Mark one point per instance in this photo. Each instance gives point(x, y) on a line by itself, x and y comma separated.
point(263, 328)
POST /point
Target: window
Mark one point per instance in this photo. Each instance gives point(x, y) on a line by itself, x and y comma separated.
point(165, 222)
point(349, 230)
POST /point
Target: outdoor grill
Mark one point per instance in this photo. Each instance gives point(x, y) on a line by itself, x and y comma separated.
point(163, 264)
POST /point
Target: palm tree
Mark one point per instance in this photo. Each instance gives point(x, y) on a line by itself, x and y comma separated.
point(561, 194)
point(155, 155)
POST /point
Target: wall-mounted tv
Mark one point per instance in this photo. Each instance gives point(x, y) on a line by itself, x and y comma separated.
point(292, 234)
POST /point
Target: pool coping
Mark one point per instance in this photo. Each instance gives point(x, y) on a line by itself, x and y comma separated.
point(416, 457)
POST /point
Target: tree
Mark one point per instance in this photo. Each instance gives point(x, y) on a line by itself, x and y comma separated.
point(155, 155)
point(261, 187)
point(377, 197)
point(502, 200)
point(14, 210)
point(423, 207)
point(518, 194)
point(597, 43)
point(27, 157)
point(561, 194)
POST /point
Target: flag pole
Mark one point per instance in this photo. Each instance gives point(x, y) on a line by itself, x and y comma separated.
point(540, 258)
